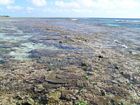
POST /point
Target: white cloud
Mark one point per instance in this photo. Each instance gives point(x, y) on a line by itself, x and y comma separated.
point(85, 3)
point(14, 8)
point(29, 9)
point(106, 8)
point(39, 3)
point(116, 4)
point(79, 8)
point(17, 9)
point(6, 2)
point(67, 5)
point(100, 4)
point(75, 4)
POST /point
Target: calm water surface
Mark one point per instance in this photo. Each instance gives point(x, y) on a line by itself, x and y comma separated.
point(19, 37)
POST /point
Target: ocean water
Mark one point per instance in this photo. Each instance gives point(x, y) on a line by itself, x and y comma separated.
point(121, 34)
point(112, 22)
point(19, 36)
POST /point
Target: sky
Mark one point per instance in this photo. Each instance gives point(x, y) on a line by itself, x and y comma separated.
point(71, 8)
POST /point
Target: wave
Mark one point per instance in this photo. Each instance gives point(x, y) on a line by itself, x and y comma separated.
point(120, 44)
point(74, 19)
point(128, 21)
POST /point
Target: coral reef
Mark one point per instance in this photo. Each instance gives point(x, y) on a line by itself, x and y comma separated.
point(46, 64)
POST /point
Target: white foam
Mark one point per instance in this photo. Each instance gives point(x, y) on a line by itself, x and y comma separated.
point(124, 46)
point(74, 19)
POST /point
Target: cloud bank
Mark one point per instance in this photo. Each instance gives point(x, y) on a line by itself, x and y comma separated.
point(6, 2)
point(100, 4)
point(39, 3)
point(108, 8)
point(77, 8)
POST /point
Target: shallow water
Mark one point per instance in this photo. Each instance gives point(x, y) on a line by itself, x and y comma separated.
point(121, 34)
point(18, 40)
point(18, 37)
point(93, 62)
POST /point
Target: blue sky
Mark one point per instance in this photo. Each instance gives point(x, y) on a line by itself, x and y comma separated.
point(71, 8)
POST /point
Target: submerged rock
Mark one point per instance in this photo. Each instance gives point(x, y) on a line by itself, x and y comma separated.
point(67, 95)
point(52, 63)
point(54, 98)
point(2, 61)
point(39, 88)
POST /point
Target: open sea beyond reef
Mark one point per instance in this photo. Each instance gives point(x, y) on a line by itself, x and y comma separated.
point(69, 61)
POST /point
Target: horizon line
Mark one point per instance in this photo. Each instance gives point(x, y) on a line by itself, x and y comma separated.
point(67, 17)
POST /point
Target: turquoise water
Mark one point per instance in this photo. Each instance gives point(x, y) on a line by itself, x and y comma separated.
point(112, 22)
point(19, 38)
point(125, 31)
point(121, 33)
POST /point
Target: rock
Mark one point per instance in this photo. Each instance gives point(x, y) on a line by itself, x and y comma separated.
point(18, 97)
point(117, 91)
point(103, 93)
point(83, 64)
point(100, 56)
point(136, 79)
point(88, 96)
point(82, 83)
point(86, 67)
point(40, 79)
point(57, 81)
point(39, 88)
point(115, 102)
point(126, 75)
point(93, 103)
point(67, 95)
point(90, 73)
point(2, 61)
point(54, 97)
point(115, 66)
point(81, 39)
point(81, 103)
point(60, 42)
point(26, 103)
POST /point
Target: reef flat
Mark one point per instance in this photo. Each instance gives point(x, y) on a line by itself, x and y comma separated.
point(63, 62)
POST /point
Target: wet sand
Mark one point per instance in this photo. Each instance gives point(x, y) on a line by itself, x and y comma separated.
point(42, 62)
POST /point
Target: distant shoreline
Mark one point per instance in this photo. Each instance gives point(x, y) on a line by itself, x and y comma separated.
point(4, 17)
point(68, 17)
